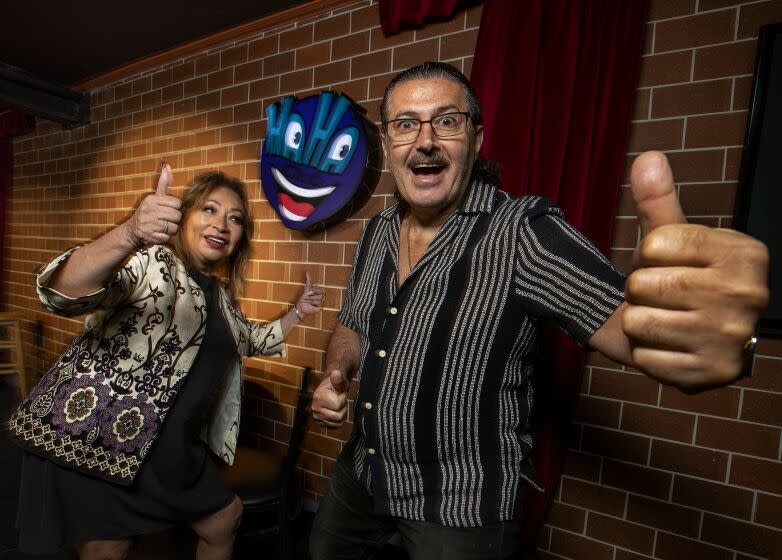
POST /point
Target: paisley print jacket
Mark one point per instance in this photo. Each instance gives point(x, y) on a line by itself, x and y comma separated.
point(100, 406)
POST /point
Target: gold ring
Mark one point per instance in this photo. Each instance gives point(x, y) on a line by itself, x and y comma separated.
point(747, 355)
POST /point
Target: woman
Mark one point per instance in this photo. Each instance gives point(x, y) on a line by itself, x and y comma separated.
point(116, 429)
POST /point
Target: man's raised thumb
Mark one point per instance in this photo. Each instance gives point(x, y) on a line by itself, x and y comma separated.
point(651, 182)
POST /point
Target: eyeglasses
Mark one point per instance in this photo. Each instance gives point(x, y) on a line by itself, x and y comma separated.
point(407, 129)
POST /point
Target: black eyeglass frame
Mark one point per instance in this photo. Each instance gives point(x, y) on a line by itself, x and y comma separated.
point(422, 123)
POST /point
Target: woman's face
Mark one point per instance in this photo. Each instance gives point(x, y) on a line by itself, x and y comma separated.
point(212, 231)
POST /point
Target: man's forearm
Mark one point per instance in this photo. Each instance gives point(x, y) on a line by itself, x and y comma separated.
point(344, 351)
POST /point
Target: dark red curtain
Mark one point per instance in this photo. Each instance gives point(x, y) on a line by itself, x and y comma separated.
point(557, 80)
point(11, 124)
point(394, 13)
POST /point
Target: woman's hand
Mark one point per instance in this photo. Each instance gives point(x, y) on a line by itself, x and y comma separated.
point(157, 217)
point(311, 299)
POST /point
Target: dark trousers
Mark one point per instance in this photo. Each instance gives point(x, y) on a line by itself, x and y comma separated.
point(346, 528)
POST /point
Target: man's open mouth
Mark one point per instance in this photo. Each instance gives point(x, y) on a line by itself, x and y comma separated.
point(427, 169)
point(297, 203)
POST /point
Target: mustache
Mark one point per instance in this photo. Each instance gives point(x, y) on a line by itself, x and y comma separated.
point(432, 159)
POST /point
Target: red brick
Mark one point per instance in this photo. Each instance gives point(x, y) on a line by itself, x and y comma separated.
point(566, 517)
point(656, 135)
point(349, 46)
point(593, 497)
point(699, 97)
point(765, 375)
point(664, 9)
point(379, 40)
point(616, 444)
point(674, 547)
point(697, 166)
point(708, 198)
point(369, 64)
point(687, 459)
point(296, 38)
point(695, 31)
point(278, 63)
point(458, 45)
point(637, 479)
point(624, 386)
point(725, 60)
point(756, 473)
point(296, 81)
point(663, 515)
point(313, 55)
point(436, 26)
point(741, 437)
point(657, 422)
point(602, 412)
point(263, 47)
point(714, 497)
point(753, 16)
point(413, 54)
point(579, 548)
point(641, 110)
point(364, 18)
point(581, 465)
point(762, 407)
point(332, 27)
point(233, 56)
point(742, 93)
point(620, 533)
point(716, 130)
point(769, 510)
point(668, 68)
point(738, 535)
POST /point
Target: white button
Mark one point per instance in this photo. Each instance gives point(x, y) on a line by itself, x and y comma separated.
point(392, 310)
point(381, 353)
point(368, 405)
point(370, 450)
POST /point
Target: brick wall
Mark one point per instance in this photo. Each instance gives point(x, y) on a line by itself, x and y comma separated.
point(650, 472)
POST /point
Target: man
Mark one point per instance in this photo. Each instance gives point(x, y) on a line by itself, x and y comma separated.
point(440, 317)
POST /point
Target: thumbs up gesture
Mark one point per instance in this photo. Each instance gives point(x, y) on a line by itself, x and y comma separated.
point(330, 399)
point(157, 216)
point(696, 292)
point(311, 299)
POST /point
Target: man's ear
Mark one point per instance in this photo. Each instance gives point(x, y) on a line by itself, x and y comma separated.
point(478, 139)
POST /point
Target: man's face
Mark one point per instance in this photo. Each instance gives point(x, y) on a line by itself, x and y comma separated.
point(431, 172)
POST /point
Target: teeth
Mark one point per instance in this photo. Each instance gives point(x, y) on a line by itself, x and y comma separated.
point(290, 215)
point(218, 240)
point(299, 191)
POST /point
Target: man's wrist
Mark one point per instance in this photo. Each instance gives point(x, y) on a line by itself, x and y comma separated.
point(298, 313)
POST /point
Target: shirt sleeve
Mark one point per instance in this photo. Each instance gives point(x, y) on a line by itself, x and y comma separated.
point(346, 314)
point(119, 288)
point(266, 339)
point(561, 276)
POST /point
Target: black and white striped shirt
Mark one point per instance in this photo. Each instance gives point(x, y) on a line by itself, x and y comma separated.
point(441, 418)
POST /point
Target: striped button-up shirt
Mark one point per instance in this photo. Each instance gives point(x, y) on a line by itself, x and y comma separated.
point(441, 418)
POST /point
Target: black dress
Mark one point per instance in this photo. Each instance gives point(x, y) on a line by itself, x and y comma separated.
point(179, 482)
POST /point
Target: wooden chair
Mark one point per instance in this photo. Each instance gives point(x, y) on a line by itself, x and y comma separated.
point(11, 349)
point(268, 487)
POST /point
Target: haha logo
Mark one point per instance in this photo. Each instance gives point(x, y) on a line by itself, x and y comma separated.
point(320, 160)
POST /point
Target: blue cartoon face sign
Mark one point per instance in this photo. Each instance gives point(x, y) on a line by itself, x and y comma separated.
point(320, 160)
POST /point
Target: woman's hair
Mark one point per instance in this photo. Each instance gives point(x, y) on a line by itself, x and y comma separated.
point(197, 191)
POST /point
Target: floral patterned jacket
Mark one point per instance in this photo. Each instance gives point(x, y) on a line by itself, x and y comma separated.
point(100, 406)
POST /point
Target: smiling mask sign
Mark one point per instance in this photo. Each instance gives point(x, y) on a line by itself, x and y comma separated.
point(320, 160)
